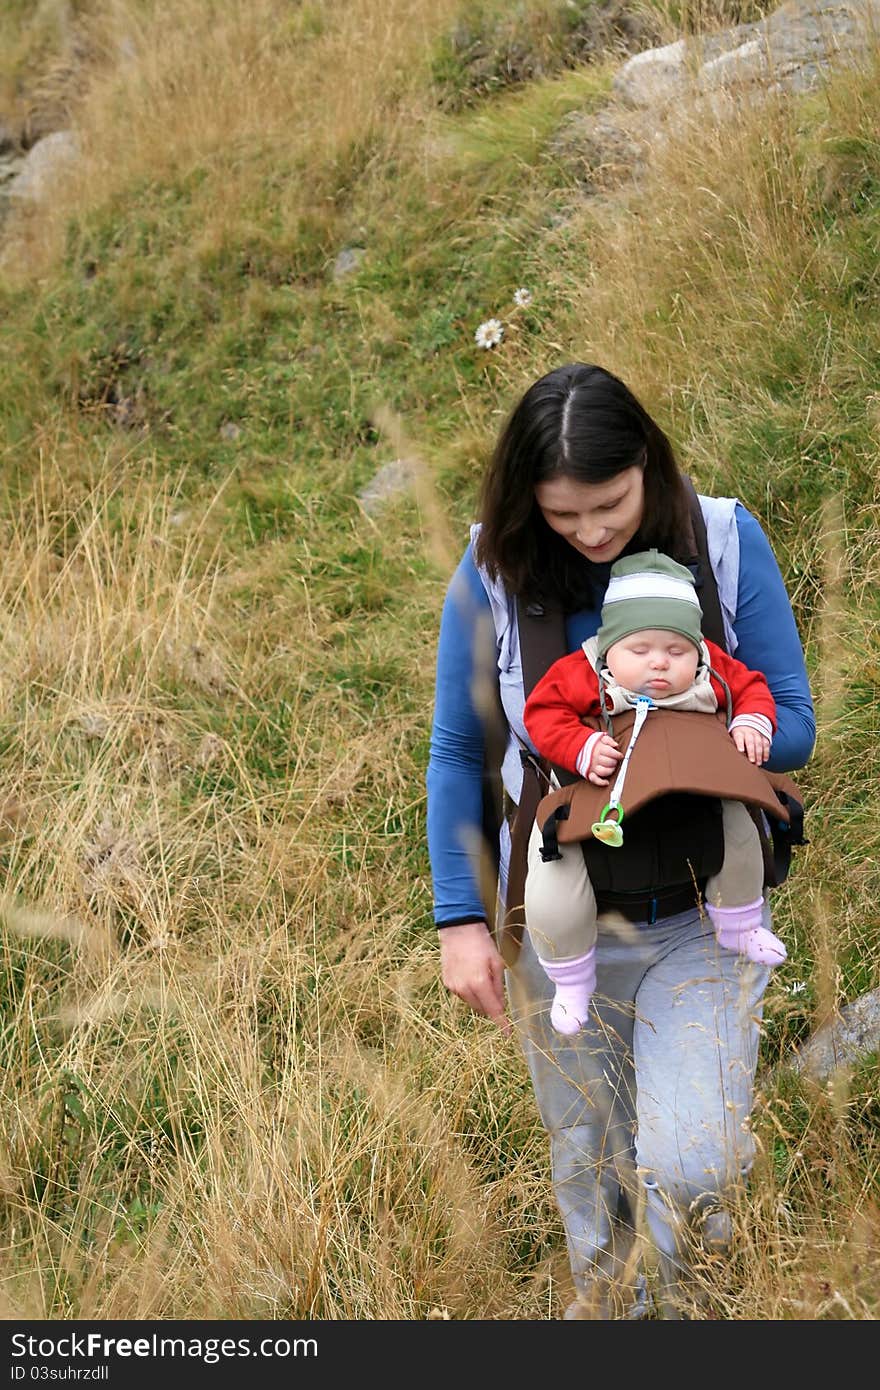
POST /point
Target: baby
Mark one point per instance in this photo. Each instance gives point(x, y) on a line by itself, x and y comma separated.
point(650, 644)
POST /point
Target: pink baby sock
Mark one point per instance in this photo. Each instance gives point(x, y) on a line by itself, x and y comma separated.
point(575, 981)
point(741, 929)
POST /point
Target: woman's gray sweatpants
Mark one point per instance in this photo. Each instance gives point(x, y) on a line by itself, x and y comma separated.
point(650, 1102)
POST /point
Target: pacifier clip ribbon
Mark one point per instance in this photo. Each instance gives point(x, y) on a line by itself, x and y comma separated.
point(610, 832)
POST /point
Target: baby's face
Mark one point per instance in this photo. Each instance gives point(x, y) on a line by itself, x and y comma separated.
point(653, 662)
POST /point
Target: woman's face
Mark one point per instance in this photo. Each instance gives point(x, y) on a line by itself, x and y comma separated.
point(598, 519)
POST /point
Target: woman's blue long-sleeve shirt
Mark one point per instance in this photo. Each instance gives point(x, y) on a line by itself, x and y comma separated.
point(767, 639)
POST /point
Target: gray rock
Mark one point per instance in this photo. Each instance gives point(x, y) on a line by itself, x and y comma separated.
point(656, 75)
point(348, 260)
point(791, 49)
point(749, 61)
point(812, 28)
point(803, 78)
point(601, 150)
point(10, 167)
point(657, 91)
point(848, 1038)
point(391, 480)
point(42, 165)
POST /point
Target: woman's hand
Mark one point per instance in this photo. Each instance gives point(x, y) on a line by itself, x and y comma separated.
point(472, 968)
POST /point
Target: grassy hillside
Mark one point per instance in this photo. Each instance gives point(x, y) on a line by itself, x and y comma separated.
point(234, 1085)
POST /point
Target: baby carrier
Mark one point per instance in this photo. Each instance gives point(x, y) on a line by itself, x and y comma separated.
point(673, 840)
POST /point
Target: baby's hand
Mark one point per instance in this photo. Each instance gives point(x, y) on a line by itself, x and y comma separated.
point(755, 746)
point(606, 756)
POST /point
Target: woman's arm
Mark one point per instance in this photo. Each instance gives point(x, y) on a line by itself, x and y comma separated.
point(471, 966)
point(769, 642)
point(455, 769)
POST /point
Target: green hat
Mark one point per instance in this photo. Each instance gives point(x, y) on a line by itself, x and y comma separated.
point(649, 590)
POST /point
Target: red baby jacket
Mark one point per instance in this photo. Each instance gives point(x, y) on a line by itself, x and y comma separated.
point(570, 690)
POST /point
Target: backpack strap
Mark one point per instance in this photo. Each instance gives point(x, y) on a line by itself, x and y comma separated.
point(776, 836)
point(704, 578)
point(541, 642)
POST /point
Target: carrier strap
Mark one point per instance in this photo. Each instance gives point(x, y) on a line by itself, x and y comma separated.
point(542, 641)
point(704, 579)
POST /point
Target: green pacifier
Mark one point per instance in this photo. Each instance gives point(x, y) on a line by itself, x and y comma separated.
point(609, 832)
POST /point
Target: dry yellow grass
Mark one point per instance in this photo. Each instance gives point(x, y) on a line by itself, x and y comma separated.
point(176, 88)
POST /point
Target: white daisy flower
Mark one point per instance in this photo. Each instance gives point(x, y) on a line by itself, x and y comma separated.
point(798, 987)
point(489, 334)
point(522, 298)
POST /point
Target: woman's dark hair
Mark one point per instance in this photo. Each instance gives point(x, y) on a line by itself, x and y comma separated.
point(577, 422)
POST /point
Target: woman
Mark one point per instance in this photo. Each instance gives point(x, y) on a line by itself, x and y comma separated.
point(647, 1107)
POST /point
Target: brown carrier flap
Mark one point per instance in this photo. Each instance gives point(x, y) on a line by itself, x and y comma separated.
point(677, 751)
